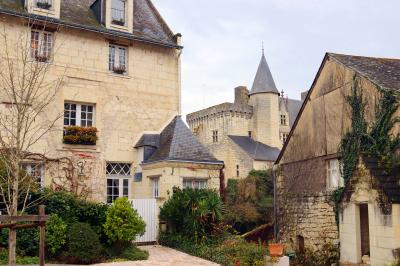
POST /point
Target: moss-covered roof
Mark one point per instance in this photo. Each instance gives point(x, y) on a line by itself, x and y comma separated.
point(148, 24)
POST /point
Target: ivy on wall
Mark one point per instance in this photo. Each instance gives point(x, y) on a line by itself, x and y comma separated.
point(376, 140)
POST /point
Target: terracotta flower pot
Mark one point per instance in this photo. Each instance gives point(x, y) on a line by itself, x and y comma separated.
point(275, 250)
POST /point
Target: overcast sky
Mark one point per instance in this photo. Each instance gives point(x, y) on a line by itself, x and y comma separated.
point(222, 40)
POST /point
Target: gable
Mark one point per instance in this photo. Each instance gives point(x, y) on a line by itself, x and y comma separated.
point(325, 115)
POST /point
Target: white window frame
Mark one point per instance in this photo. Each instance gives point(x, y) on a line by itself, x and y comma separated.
point(29, 167)
point(155, 186)
point(78, 116)
point(112, 62)
point(38, 49)
point(195, 183)
point(334, 176)
point(115, 10)
point(116, 171)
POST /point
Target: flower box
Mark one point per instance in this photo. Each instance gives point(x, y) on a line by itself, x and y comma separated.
point(43, 5)
point(80, 135)
point(118, 22)
point(42, 58)
point(119, 70)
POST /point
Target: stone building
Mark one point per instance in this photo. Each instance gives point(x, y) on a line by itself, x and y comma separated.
point(310, 169)
point(248, 133)
point(120, 64)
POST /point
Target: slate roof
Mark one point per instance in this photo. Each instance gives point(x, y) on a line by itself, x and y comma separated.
point(381, 71)
point(177, 143)
point(263, 82)
point(148, 24)
point(256, 150)
point(152, 140)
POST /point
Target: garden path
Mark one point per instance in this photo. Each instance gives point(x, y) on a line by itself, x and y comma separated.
point(162, 256)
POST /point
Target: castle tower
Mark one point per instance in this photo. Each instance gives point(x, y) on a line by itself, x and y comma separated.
point(264, 97)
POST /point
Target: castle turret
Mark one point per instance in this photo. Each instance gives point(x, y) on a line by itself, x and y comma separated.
point(264, 97)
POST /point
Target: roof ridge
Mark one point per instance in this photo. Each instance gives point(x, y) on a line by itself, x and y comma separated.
point(361, 56)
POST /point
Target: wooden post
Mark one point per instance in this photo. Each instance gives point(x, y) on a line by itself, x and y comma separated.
point(42, 237)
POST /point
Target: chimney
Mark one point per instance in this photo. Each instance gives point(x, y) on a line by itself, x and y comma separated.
point(241, 95)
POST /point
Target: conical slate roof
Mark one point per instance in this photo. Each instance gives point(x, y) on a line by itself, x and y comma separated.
point(178, 143)
point(263, 82)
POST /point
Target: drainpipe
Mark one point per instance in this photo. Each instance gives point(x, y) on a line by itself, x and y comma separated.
point(274, 168)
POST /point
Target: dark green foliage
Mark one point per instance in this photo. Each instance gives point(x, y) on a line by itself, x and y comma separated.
point(123, 223)
point(72, 209)
point(127, 251)
point(250, 201)
point(192, 212)
point(222, 251)
point(83, 245)
point(20, 260)
point(80, 135)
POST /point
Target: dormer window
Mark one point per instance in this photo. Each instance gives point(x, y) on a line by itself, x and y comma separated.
point(118, 12)
point(44, 4)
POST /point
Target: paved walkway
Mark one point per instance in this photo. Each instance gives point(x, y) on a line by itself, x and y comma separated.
point(163, 256)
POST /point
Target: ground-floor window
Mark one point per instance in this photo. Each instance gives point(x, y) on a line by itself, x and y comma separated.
point(118, 180)
point(36, 171)
point(195, 183)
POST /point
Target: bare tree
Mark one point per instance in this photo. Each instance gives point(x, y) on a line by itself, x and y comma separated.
point(28, 89)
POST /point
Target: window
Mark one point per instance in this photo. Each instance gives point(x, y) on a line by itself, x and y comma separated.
point(195, 183)
point(118, 180)
point(284, 137)
point(41, 45)
point(78, 114)
point(118, 12)
point(44, 4)
point(237, 171)
point(117, 59)
point(36, 171)
point(334, 174)
point(156, 187)
point(215, 136)
point(283, 120)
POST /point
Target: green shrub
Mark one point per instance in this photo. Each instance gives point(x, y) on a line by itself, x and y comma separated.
point(126, 251)
point(123, 223)
point(193, 212)
point(226, 252)
point(20, 260)
point(56, 235)
point(72, 209)
point(83, 246)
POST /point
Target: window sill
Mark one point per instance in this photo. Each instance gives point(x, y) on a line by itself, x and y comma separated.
point(119, 75)
point(118, 27)
point(66, 147)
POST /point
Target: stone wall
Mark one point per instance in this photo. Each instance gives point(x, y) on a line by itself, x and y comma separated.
point(309, 215)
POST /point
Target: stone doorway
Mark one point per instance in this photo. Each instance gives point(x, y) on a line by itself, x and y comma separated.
point(364, 230)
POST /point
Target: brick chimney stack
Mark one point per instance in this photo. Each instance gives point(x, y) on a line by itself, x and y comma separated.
point(241, 95)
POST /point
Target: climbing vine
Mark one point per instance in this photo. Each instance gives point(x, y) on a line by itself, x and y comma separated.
point(376, 140)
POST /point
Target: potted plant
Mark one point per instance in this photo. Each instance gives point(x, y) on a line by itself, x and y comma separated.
point(42, 58)
point(80, 135)
point(119, 69)
point(119, 22)
point(43, 5)
point(275, 249)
